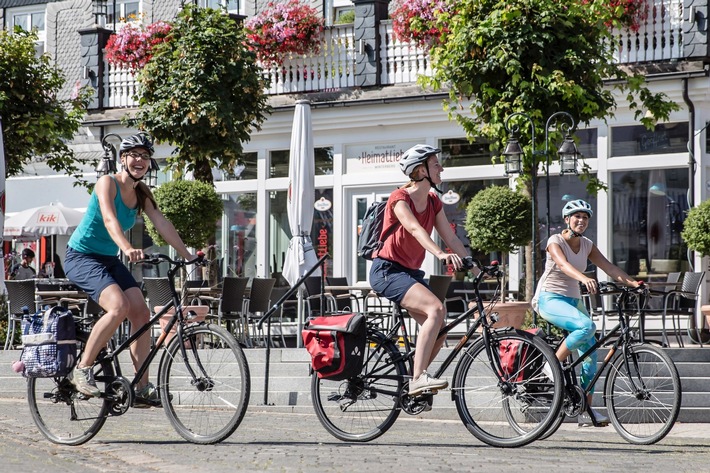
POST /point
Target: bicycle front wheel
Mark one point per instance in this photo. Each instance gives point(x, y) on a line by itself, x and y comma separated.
point(364, 407)
point(205, 393)
point(64, 415)
point(643, 394)
point(506, 407)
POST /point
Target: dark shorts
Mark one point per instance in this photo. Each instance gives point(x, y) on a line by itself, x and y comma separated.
point(392, 280)
point(94, 273)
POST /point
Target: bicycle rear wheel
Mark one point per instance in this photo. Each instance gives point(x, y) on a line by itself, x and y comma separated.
point(64, 415)
point(507, 409)
point(361, 409)
point(209, 406)
point(643, 394)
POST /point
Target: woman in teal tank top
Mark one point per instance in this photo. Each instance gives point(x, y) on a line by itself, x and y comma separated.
point(92, 261)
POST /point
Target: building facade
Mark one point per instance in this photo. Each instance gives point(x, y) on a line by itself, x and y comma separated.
point(369, 109)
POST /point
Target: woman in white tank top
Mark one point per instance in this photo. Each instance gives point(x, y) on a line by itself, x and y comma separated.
point(558, 297)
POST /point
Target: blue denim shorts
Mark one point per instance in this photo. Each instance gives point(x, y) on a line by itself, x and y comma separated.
point(94, 273)
point(392, 280)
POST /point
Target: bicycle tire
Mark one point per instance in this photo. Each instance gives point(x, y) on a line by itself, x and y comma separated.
point(62, 414)
point(363, 408)
point(646, 415)
point(209, 410)
point(511, 412)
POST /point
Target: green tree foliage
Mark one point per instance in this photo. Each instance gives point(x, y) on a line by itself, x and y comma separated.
point(536, 57)
point(202, 92)
point(696, 228)
point(36, 122)
point(193, 207)
point(498, 219)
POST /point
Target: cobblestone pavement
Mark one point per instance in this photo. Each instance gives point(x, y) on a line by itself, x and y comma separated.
point(271, 440)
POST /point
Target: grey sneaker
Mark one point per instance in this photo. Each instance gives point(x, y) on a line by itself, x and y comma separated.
point(426, 383)
point(83, 381)
point(147, 396)
point(600, 420)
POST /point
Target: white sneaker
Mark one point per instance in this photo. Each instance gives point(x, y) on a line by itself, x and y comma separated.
point(547, 371)
point(426, 383)
point(583, 420)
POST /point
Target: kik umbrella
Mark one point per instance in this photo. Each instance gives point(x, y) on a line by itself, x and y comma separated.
point(53, 219)
point(300, 256)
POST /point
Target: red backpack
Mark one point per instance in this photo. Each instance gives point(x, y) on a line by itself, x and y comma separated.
point(336, 344)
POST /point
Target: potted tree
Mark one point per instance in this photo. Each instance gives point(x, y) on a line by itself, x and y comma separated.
point(498, 219)
point(696, 234)
point(193, 207)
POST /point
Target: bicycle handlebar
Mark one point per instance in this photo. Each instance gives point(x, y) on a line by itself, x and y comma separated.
point(609, 286)
point(157, 258)
point(491, 270)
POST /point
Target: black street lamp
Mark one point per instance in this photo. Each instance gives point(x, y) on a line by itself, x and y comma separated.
point(107, 165)
point(567, 153)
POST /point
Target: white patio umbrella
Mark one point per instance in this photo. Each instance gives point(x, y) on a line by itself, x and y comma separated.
point(53, 219)
point(300, 256)
point(47, 220)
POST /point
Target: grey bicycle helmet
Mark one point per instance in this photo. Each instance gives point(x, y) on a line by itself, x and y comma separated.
point(574, 206)
point(415, 156)
point(139, 140)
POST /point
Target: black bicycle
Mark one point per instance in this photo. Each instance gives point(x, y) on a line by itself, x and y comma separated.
point(203, 379)
point(493, 398)
point(642, 390)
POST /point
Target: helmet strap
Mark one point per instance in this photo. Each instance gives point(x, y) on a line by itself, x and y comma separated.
point(573, 232)
point(431, 183)
point(136, 180)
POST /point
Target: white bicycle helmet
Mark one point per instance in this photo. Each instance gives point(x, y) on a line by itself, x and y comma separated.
point(574, 206)
point(415, 156)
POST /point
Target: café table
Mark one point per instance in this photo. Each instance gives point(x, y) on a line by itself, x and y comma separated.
point(365, 292)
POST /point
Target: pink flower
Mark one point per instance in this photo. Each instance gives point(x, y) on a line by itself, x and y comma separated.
point(131, 46)
point(627, 13)
point(416, 21)
point(283, 29)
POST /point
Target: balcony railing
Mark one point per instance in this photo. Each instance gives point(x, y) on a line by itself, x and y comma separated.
point(659, 38)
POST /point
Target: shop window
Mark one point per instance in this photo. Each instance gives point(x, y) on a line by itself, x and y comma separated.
point(280, 230)
point(648, 211)
point(637, 140)
point(278, 162)
point(240, 251)
point(587, 142)
point(245, 170)
point(456, 196)
point(457, 152)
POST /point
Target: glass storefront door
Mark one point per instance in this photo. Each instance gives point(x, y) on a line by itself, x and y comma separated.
point(360, 202)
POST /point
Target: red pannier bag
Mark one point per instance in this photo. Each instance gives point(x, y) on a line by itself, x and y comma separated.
point(336, 344)
point(514, 358)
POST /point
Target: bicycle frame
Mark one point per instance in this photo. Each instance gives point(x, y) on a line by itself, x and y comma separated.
point(624, 339)
point(112, 354)
point(407, 355)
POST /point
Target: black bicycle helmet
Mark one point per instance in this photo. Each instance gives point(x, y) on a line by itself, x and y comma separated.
point(139, 140)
